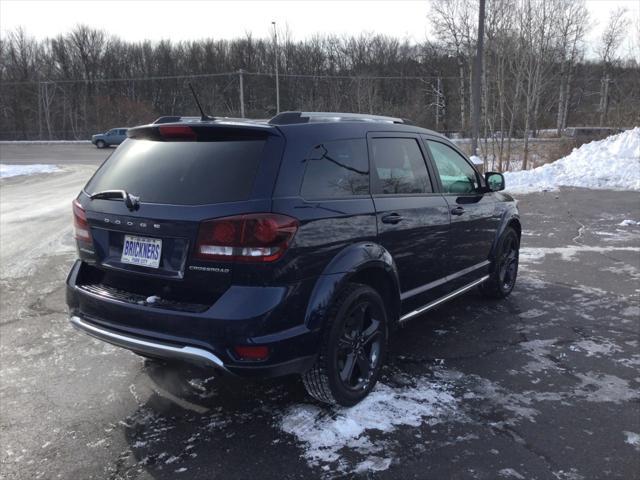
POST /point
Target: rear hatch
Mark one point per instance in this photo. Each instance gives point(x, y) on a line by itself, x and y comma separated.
point(154, 195)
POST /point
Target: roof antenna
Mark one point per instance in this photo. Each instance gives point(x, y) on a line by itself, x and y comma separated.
point(204, 116)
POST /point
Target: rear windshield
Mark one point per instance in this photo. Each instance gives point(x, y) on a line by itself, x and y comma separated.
point(182, 173)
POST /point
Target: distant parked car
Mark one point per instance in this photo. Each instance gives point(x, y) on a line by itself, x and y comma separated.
point(115, 136)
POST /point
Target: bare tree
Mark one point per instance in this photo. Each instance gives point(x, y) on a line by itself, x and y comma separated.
point(452, 21)
point(573, 19)
point(86, 80)
point(610, 42)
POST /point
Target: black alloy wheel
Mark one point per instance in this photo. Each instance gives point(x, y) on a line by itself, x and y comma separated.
point(508, 264)
point(353, 347)
point(504, 271)
point(359, 346)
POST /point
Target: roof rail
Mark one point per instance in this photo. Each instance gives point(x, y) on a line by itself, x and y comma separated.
point(288, 118)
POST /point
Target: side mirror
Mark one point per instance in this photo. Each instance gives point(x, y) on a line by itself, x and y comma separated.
point(495, 181)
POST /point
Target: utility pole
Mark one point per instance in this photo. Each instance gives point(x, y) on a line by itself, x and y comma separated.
point(241, 94)
point(438, 102)
point(477, 79)
point(275, 50)
point(40, 110)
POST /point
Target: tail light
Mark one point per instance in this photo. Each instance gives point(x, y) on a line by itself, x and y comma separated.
point(261, 237)
point(80, 224)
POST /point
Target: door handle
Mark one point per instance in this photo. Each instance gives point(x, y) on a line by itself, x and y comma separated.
point(457, 211)
point(392, 218)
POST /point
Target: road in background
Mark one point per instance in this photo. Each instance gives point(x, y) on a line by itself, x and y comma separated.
point(60, 154)
point(541, 385)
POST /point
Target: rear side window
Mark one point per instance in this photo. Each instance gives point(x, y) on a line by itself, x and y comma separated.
point(336, 169)
point(182, 173)
point(400, 166)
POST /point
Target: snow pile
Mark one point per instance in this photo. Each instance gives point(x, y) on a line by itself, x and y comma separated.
point(325, 433)
point(476, 160)
point(15, 170)
point(612, 163)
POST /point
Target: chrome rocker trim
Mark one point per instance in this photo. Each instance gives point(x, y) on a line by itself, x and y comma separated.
point(440, 300)
point(188, 354)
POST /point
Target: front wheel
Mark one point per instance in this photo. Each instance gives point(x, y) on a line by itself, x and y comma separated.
point(353, 348)
point(505, 266)
point(101, 144)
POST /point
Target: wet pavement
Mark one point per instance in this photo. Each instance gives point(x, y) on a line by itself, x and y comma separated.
point(542, 385)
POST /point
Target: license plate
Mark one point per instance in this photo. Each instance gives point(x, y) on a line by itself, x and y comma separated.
point(141, 251)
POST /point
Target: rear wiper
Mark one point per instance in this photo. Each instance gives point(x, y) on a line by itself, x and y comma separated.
point(131, 201)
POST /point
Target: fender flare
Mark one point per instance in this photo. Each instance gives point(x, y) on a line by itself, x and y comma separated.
point(352, 260)
point(509, 217)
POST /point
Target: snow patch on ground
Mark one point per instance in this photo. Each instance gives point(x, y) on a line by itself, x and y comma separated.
point(326, 432)
point(596, 348)
point(612, 163)
point(628, 223)
point(602, 387)
point(510, 473)
point(540, 352)
point(632, 439)
point(23, 246)
point(15, 170)
point(567, 254)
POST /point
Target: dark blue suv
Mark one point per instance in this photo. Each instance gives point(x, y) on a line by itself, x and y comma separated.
point(293, 246)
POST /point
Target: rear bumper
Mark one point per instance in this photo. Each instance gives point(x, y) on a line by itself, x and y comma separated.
point(243, 316)
point(153, 348)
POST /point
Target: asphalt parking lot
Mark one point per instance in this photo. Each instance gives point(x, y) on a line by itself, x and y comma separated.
point(542, 385)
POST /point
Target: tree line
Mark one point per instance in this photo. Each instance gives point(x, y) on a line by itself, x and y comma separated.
point(535, 75)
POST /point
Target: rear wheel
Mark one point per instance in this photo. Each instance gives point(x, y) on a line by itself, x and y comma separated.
point(353, 348)
point(505, 268)
point(101, 144)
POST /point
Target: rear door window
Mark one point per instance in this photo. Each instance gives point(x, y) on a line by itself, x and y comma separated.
point(336, 169)
point(399, 166)
point(182, 173)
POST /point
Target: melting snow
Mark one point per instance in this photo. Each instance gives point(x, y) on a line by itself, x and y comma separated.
point(15, 170)
point(633, 439)
point(596, 348)
point(627, 223)
point(510, 473)
point(612, 163)
point(601, 387)
point(533, 254)
point(326, 432)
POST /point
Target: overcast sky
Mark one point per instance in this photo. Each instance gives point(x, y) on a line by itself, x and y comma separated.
point(187, 20)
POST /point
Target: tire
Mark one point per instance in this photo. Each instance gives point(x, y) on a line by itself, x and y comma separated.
point(505, 266)
point(353, 348)
point(101, 144)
